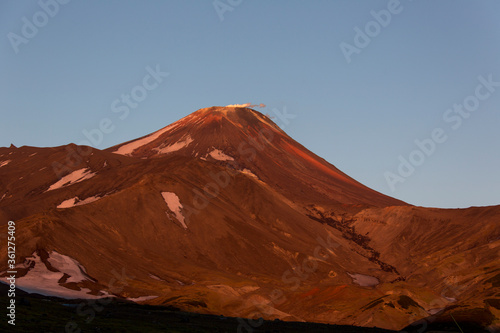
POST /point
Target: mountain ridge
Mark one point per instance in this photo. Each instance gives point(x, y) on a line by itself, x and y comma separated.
point(239, 222)
point(258, 141)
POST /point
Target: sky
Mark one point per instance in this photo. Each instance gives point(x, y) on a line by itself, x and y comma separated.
point(403, 96)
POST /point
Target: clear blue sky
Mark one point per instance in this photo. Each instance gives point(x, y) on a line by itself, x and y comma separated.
point(360, 116)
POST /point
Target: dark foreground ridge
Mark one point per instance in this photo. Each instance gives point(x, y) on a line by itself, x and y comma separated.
point(37, 313)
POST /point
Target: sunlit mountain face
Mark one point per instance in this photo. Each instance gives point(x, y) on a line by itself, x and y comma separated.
point(223, 213)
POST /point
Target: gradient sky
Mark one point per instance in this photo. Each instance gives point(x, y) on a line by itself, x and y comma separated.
point(360, 116)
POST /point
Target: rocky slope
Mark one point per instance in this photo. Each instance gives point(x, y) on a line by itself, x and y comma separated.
point(223, 213)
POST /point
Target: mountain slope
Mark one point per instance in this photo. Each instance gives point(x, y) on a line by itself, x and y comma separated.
point(246, 139)
point(223, 213)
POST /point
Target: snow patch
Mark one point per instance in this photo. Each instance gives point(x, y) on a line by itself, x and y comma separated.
point(246, 105)
point(155, 277)
point(77, 202)
point(41, 280)
point(364, 280)
point(141, 298)
point(176, 146)
point(73, 178)
point(69, 266)
point(174, 204)
point(249, 173)
point(434, 311)
point(4, 163)
point(219, 155)
point(129, 148)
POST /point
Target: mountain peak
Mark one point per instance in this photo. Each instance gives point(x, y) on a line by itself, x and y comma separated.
point(250, 142)
point(224, 109)
point(234, 112)
point(217, 126)
point(240, 116)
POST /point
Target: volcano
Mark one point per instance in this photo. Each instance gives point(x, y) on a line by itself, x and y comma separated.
point(223, 213)
point(248, 140)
